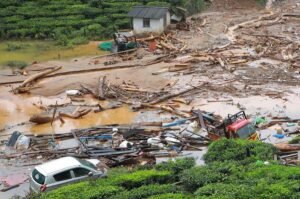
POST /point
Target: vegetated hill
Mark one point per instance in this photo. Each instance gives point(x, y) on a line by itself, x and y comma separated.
point(72, 21)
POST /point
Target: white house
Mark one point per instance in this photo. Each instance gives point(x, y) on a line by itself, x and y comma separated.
point(150, 19)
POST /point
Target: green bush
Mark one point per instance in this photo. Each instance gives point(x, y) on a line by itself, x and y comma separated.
point(177, 166)
point(197, 177)
point(278, 190)
point(194, 6)
point(15, 46)
point(82, 190)
point(146, 191)
point(295, 140)
point(262, 2)
point(274, 173)
point(224, 191)
point(171, 196)
point(142, 177)
point(243, 151)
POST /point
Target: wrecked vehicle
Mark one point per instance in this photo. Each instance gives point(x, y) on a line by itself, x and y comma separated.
point(123, 41)
point(56, 173)
point(234, 126)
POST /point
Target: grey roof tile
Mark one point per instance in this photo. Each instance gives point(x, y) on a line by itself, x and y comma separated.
point(148, 12)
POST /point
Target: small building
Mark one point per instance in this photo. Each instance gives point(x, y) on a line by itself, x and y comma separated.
point(150, 19)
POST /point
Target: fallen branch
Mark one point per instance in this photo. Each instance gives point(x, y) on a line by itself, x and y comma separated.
point(25, 86)
point(77, 114)
point(39, 75)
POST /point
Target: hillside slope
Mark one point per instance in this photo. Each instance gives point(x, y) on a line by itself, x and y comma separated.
point(62, 19)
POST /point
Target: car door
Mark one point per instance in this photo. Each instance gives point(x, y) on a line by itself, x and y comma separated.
point(80, 173)
point(59, 179)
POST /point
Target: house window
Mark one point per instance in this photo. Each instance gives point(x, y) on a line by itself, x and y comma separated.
point(146, 22)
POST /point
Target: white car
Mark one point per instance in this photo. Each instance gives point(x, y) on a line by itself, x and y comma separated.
point(55, 173)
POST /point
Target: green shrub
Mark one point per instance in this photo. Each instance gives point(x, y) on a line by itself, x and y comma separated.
point(197, 177)
point(224, 191)
point(146, 191)
point(15, 46)
point(278, 190)
point(194, 6)
point(16, 64)
point(262, 2)
point(177, 166)
point(295, 140)
point(78, 40)
point(142, 177)
point(274, 172)
point(82, 190)
point(244, 151)
point(171, 196)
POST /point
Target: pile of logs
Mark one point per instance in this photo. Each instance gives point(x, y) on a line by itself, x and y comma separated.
point(125, 91)
point(166, 42)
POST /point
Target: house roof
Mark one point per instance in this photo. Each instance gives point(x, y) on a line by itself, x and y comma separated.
point(148, 12)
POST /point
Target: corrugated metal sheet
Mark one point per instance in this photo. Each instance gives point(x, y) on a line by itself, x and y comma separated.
point(148, 12)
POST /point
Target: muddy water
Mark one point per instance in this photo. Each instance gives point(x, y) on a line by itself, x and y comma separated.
point(121, 115)
point(258, 106)
point(16, 109)
point(44, 51)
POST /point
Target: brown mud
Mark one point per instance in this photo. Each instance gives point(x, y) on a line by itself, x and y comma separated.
point(265, 83)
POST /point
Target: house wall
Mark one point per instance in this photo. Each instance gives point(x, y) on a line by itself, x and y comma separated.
point(168, 18)
point(156, 25)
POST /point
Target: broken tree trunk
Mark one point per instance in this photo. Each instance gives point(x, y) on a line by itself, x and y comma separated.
point(39, 75)
point(35, 77)
point(41, 119)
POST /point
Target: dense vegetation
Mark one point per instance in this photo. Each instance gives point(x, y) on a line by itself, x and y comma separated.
point(72, 21)
point(234, 169)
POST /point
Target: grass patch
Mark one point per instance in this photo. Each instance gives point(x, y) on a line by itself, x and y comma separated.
point(16, 64)
point(262, 2)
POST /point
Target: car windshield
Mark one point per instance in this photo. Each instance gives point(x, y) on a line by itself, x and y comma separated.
point(38, 177)
point(86, 163)
point(246, 131)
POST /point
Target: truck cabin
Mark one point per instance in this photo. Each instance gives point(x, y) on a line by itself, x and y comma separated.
point(242, 129)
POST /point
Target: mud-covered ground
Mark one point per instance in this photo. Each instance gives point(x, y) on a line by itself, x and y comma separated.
point(265, 83)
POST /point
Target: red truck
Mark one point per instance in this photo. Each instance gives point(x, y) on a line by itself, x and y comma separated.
point(234, 126)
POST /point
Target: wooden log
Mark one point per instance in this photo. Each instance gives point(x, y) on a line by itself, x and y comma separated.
point(167, 109)
point(167, 46)
point(79, 72)
point(135, 90)
point(288, 147)
point(40, 119)
point(183, 48)
point(169, 96)
point(39, 75)
point(76, 115)
point(297, 15)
